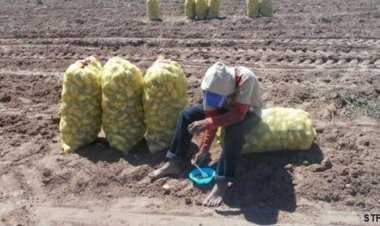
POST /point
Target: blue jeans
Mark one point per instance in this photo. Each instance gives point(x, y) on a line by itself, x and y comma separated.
point(233, 140)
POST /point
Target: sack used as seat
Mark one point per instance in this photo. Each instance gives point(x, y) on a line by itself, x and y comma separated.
point(279, 129)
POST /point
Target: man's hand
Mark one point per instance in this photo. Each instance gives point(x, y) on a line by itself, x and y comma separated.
point(199, 157)
point(197, 127)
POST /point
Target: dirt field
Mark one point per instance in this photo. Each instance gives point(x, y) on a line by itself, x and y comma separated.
point(321, 56)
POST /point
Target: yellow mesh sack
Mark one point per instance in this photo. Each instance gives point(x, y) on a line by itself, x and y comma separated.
point(164, 97)
point(253, 8)
point(81, 104)
point(280, 129)
point(213, 8)
point(153, 7)
point(256, 8)
point(123, 116)
point(266, 8)
point(201, 8)
point(190, 9)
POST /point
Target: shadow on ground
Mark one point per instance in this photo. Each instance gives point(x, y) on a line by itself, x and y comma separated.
point(263, 186)
point(140, 155)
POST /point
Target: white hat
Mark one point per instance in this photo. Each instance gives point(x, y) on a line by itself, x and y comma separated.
point(219, 79)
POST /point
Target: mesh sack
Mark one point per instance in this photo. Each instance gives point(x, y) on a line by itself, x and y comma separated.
point(201, 9)
point(213, 8)
point(164, 97)
point(81, 104)
point(190, 9)
point(266, 8)
point(279, 129)
point(253, 8)
point(153, 7)
point(123, 116)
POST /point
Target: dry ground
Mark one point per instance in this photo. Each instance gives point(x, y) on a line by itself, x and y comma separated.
point(321, 56)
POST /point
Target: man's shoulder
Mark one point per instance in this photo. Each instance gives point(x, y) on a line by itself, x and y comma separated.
point(246, 74)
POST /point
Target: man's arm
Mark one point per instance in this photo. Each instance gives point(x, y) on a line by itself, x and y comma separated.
point(235, 115)
point(215, 119)
point(209, 134)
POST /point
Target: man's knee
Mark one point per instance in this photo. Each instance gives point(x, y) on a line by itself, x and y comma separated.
point(191, 113)
point(235, 134)
point(234, 129)
point(242, 127)
point(186, 113)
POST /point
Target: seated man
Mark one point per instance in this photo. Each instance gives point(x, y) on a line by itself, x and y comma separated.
point(231, 99)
